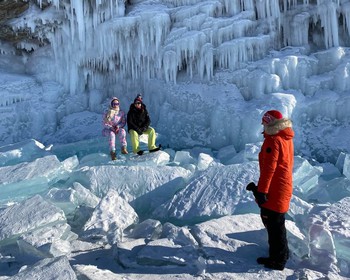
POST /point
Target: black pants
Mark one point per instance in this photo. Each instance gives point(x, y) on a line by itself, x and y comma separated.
point(277, 235)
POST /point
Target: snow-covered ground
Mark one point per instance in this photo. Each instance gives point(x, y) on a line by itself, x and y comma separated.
point(167, 215)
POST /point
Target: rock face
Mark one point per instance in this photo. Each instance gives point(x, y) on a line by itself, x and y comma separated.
point(10, 9)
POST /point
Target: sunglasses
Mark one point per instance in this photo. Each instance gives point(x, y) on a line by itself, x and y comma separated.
point(115, 104)
point(137, 103)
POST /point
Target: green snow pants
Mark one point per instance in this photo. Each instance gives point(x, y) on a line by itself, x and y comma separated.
point(134, 137)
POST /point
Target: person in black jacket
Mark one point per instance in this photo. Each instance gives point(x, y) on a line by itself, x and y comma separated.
point(139, 123)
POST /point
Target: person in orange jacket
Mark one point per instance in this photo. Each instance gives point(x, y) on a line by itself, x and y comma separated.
point(274, 190)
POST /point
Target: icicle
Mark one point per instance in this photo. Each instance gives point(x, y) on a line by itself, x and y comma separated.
point(178, 3)
point(209, 9)
point(329, 21)
point(235, 30)
point(78, 7)
point(268, 8)
point(170, 66)
point(232, 7)
point(56, 3)
point(346, 13)
point(247, 5)
point(321, 2)
point(299, 29)
point(206, 63)
point(231, 54)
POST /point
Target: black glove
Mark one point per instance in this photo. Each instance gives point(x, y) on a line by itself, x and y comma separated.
point(260, 198)
point(252, 187)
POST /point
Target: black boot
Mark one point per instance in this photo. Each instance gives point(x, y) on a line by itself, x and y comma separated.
point(262, 260)
point(156, 149)
point(270, 263)
point(274, 265)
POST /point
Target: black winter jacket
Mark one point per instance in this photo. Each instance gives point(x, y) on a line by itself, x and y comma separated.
point(138, 119)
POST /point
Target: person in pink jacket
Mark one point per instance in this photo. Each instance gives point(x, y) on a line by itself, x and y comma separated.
point(114, 121)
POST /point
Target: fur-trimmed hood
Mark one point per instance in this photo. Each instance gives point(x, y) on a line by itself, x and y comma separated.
point(277, 126)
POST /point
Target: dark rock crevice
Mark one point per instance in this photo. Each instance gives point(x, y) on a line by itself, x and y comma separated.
point(9, 10)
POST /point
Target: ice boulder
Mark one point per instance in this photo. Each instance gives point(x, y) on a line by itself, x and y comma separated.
point(71, 198)
point(27, 150)
point(346, 166)
point(305, 176)
point(214, 192)
point(28, 215)
point(329, 235)
point(51, 268)
point(129, 181)
point(204, 161)
point(109, 219)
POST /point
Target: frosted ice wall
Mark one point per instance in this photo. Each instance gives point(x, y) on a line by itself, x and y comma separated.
point(77, 39)
point(106, 42)
point(111, 47)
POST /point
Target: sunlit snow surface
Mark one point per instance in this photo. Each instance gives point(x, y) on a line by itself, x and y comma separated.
point(207, 74)
point(163, 215)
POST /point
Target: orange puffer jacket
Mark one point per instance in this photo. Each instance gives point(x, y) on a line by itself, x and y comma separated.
point(276, 166)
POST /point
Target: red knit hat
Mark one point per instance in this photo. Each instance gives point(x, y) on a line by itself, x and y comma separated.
point(270, 116)
point(138, 98)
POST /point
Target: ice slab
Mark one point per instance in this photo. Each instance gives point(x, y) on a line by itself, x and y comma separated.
point(28, 215)
point(217, 191)
point(109, 219)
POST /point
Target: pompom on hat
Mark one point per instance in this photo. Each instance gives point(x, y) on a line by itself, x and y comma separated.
point(138, 98)
point(271, 116)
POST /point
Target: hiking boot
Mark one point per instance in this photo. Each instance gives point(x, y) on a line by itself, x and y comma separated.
point(113, 155)
point(124, 151)
point(140, 153)
point(270, 263)
point(263, 260)
point(156, 149)
point(274, 265)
